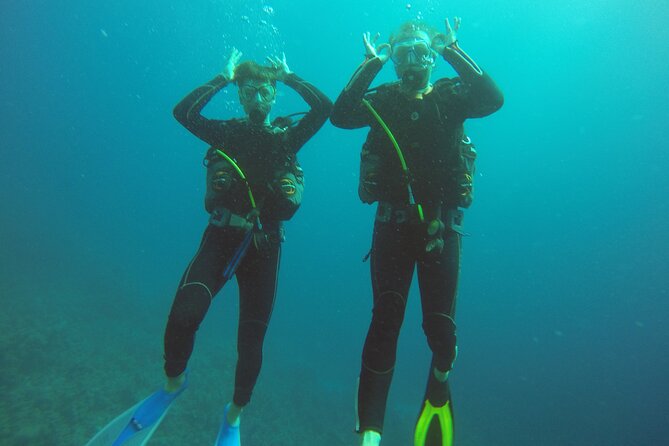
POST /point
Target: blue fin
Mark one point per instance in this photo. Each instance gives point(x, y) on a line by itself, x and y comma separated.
point(228, 435)
point(137, 424)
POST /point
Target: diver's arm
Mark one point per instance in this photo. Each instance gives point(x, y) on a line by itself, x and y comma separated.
point(320, 109)
point(188, 111)
point(483, 96)
point(348, 111)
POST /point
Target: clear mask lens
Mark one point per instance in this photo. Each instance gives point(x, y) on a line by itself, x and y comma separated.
point(412, 52)
point(265, 92)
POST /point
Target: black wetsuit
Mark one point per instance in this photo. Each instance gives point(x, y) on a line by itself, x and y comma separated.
point(428, 131)
point(254, 149)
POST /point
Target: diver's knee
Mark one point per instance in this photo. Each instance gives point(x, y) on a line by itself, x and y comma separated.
point(439, 329)
point(381, 344)
point(190, 305)
point(389, 312)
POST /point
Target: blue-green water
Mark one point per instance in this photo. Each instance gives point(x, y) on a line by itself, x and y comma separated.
point(563, 300)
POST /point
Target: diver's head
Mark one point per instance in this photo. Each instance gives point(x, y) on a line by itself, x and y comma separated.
point(412, 54)
point(257, 90)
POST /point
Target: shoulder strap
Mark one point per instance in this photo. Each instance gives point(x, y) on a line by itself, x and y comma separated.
point(446, 87)
point(283, 123)
point(443, 89)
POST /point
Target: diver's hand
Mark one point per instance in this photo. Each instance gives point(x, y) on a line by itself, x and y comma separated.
point(371, 50)
point(229, 70)
point(444, 40)
point(252, 220)
point(435, 236)
point(281, 66)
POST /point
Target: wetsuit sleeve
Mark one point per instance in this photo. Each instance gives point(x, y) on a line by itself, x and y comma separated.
point(349, 111)
point(189, 112)
point(320, 109)
point(481, 95)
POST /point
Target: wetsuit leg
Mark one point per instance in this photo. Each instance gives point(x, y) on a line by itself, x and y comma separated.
point(257, 278)
point(392, 266)
point(438, 282)
point(201, 281)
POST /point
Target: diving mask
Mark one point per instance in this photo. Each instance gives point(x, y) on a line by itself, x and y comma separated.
point(264, 92)
point(413, 51)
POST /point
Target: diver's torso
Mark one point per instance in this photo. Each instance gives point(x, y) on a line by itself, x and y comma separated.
point(428, 135)
point(259, 152)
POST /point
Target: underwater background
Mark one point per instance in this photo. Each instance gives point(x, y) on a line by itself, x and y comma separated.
point(563, 302)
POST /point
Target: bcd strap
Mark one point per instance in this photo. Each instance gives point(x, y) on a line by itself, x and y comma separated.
point(397, 214)
point(223, 217)
point(400, 155)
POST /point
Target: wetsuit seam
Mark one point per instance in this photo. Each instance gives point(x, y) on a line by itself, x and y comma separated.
point(211, 296)
point(446, 315)
point(305, 85)
point(377, 372)
point(404, 299)
point(198, 100)
point(190, 265)
point(457, 278)
point(276, 283)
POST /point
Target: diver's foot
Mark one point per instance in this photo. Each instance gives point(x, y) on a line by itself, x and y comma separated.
point(174, 384)
point(233, 414)
point(437, 391)
point(229, 433)
point(439, 375)
point(371, 438)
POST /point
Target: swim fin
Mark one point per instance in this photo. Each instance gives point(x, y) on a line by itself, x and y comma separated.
point(228, 435)
point(435, 422)
point(136, 425)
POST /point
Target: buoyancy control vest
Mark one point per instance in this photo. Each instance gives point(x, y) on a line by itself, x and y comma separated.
point(283, 187)
point(459, 155)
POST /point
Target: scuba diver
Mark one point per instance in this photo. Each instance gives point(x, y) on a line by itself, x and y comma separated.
point(254, 182)
point(418, 164)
